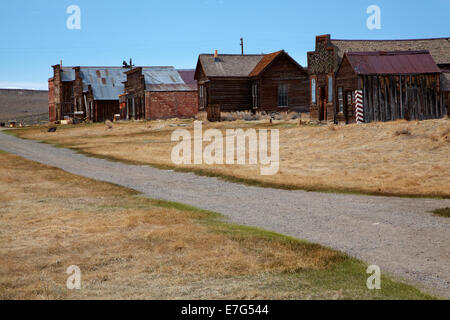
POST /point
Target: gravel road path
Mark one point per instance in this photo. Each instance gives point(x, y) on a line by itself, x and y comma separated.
point(397, 234)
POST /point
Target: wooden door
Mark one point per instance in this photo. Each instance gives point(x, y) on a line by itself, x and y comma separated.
point(322, 104)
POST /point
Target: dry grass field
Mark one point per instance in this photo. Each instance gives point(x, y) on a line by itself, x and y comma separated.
point(130, 247)
point(394, 158)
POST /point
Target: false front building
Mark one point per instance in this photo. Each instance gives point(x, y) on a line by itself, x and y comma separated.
point(324, 62)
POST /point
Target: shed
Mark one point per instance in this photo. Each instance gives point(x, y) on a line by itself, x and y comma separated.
point(395, 85)
point(324, 61)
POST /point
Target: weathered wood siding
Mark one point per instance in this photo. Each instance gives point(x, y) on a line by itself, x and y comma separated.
point(284, 71)
point(230, 94)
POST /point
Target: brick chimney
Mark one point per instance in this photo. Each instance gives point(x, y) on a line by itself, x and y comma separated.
point(216, 56)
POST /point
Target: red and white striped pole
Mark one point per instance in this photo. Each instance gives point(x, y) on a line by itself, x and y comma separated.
point(359, 106)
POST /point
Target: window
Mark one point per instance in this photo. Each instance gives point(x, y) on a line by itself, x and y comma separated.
point(313, 90)
point(330, 89)
point(255, 96)
point(202, 97)
point(283, 95)
point(341, 100)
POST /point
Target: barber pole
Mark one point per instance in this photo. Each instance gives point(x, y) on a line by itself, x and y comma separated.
point(359, 106)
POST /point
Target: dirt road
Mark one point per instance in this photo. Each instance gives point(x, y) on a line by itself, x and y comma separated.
point(397, 234)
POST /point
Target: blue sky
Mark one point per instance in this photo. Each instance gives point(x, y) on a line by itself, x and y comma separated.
point(34, 35)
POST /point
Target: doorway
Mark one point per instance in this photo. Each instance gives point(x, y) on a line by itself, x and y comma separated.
point(322, 104)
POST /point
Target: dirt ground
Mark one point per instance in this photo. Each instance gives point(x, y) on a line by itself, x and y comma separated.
point(130, 247)
point(393, 158)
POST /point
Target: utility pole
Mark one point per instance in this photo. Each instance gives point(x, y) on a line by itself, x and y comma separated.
point(242, 46)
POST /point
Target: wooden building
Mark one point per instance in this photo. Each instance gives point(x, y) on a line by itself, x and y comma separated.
point(324, 61)
point(159, 93)
point(60, 88)
point(267, 82)
point(445, 88)
point(394, 85)
point(92, 92)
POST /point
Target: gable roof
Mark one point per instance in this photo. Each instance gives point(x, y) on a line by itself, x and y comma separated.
point(265, 62)
point(229, 65)
point(439, 48)
point(242, 66)
point(396, 62)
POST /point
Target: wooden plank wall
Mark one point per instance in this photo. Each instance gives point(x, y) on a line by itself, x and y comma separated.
point(410, 97)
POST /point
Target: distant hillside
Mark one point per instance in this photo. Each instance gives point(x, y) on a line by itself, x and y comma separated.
point(27, 106)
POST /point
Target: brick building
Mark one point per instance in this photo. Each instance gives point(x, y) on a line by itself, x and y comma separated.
point(159, 93)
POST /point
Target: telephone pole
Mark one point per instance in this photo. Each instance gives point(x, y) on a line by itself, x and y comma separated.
point(242, 46)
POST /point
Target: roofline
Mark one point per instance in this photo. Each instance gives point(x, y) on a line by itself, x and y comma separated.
point(384, 52)
point(331, 39)
point(395, 74)
point(191, 90)
point(383, 74)
point(117, 67)
point(240, 55)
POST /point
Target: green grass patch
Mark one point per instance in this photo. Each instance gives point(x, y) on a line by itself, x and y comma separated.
point(344, 276)
point(444, 212)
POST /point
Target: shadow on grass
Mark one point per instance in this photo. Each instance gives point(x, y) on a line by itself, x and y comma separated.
point(444, 212)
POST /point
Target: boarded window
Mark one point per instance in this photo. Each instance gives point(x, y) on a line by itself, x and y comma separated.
point(283, 95)
point(330, 89)
point(313, 90)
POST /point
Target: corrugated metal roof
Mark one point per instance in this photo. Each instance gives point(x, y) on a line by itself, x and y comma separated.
point(169, 87)
point(161, 75)
point(106, 82)
point(396, 62)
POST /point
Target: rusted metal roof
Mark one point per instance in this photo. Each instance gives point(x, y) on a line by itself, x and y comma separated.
point(106, 82)
point(439, 47)
point(187, 75)
point(396, 62)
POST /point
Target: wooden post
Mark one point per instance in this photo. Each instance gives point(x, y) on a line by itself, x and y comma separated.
point(401, 98)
